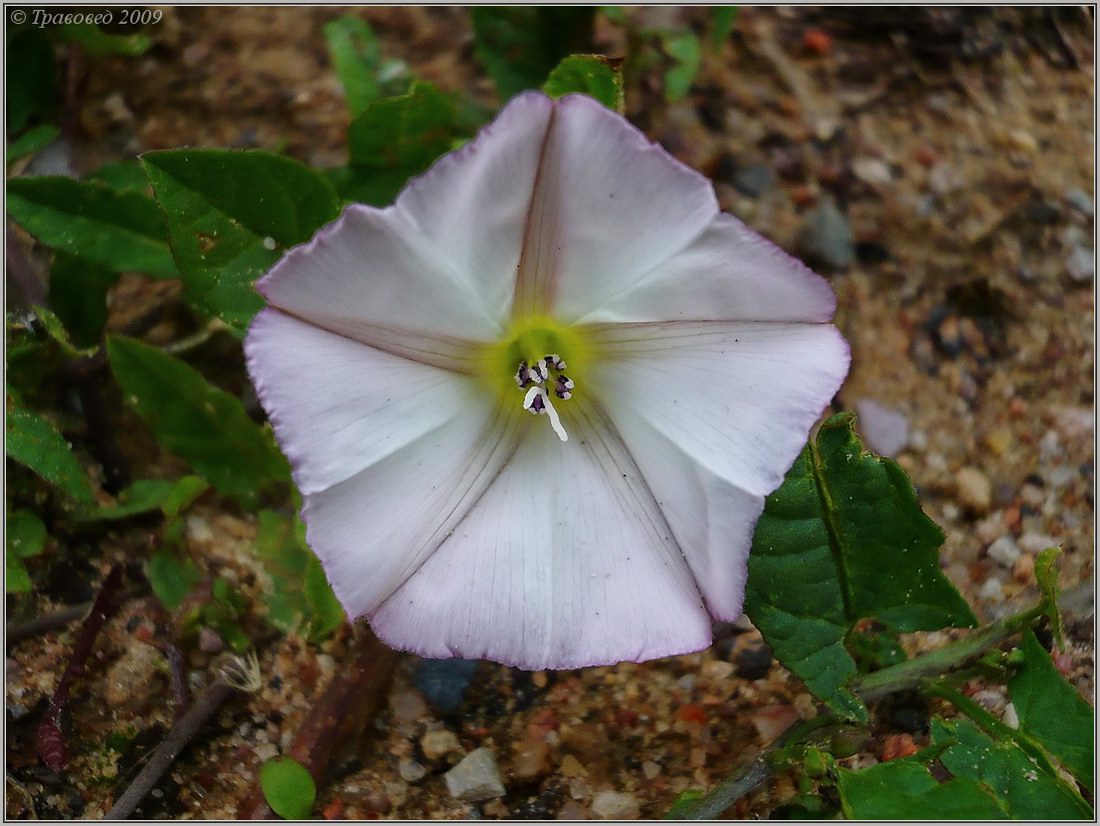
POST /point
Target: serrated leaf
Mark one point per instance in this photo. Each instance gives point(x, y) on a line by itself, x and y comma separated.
point(592, 75)
point(901, 790)
point(120, 231)
point(78, 295)
point(32, 141)
point(687, 56)
point(1026, 791)
point(31, 78)
point(230, 216)
point(1053, 712)
point(288, 788)
point(35, 443)
point(171, 578)
point(519, 45)
point(206, 426)
point(98, 42)
point(394, 139)
point(357, 58)
point(843, 539)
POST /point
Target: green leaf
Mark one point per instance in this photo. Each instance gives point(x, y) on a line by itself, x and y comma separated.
point(902, 790)
point(120, 231)
point(78, 294)
point(1046, 574)
point(1053, 712)
point(34, 442)
point(171, 578)
point(57, 332)
point(357, 57)
point(1025, 789)
point(721, 21)
point(31, 78)
point(32, 141)
point(519, 45)
point(394, 139)
point(683, 803)
point(122, 176)
point(206, 426)
point(97, 42)
point(844, 539)
point(149, 495)
point(301, 595)
point(26, 538)
point(687, 56)
point(288, 788)
point(230, 216)
point(592, 75)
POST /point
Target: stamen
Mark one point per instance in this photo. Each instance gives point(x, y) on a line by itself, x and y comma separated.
point(535, 378)
point(537, 401)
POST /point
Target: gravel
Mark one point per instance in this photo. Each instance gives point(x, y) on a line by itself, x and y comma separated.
point(475, 778)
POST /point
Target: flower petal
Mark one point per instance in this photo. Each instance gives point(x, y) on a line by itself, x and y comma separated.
point(565, 562)
point(729, 273)
point(738, 398)
point(608, 206)
point(713, 521)
point(339, 406)
point(374, 530)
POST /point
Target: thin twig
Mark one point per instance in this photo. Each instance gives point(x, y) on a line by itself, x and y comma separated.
point(17, 632)
point(51, 742)
point(343, 711)
point(182, 733)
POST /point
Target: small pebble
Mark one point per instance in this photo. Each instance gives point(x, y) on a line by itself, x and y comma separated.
point(872, 170)
point(475, 778)
point(1034, 543)
point(572, 767)
point(1032, 496)
point(529, 759)
point(616, 806)
point(439, 743)
point(410, 770)
point(444, 682)
point(992, 589)
point(771, 721)
point(266, 751)
point(754, 663)
point(210, 641)
point(752, 181)
point(974, 490)
point(1079, 200)
point(1004, 551)
point(650, 769)
point(1049, 446)
point(826, 237)
point(1024, 569)
point(717, 670)
point(408, 706)
point(990, 699)
point(885, 430)
point(1081, 264)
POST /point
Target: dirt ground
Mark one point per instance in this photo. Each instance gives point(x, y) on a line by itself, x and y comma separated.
point(955, 146)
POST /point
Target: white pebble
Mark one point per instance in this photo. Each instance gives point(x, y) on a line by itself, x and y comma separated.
point(1004, 550)
point(992, 589)
point(1033, 543)
point(615, 806)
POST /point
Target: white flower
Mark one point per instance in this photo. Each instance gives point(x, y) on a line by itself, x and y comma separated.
point(405, 350)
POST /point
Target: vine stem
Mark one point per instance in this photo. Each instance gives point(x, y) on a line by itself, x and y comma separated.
point(909, 674)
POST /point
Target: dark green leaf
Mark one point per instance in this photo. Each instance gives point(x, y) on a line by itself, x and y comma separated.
point(592, 75)
point(78, 295)
point(301, 595)
point(357, 57)
point(394, 139)
point(171, 578)
point(60, 336)
point(288, 788)
point(901, 790)
point(32, 141)
point(149, 495)
point(721, 21)
point(683, 803)
point(26, 538)
point(123, 176)
point(687, 56)
point(120, 231)
point(844, 539)
point(1026, 790)
point(31, 78)
point(1053, 712)
point(206, 426)
point(98, 42)
point(34, 442)
point(230, 216)
point(519, 45)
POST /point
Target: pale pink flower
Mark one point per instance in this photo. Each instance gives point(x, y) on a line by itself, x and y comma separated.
point(534, 406)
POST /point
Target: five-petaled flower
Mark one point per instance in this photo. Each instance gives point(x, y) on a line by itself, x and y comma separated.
point(534, 406)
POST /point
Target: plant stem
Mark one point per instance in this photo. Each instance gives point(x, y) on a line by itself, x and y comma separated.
point(910, 674)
